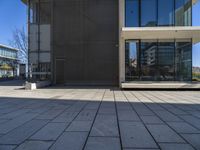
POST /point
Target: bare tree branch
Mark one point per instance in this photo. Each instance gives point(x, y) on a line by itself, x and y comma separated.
point(20, 41)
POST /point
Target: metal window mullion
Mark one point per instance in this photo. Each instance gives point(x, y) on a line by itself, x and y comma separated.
point(38, 36)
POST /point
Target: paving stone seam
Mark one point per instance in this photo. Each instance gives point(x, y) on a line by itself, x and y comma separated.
point(94, 120)
point(141, 119)
point(48, 121)
point(69, 125)
point(117, 115)
point(172, 112)
point(165, 121)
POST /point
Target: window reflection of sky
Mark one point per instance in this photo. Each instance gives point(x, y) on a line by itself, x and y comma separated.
point(133, 50)
point(196, 22)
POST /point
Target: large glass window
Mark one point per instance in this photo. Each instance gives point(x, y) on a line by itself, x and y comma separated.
point(165, 12)
point(183, 60)
point(132, 13)
point(183, 12)
point(34, 12)
point(166, 60)
point(132, 68)
point(148, 13)
point(148, 60)
point(159, 60)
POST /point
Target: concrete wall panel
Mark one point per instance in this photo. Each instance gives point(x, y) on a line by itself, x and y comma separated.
point(85, 34)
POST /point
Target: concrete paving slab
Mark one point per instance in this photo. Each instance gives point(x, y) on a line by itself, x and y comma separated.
point(105, 125)
point(162, 133)
point(183, 127)
point(66, 116)
point(35, 145)
point(86, 115)
point(49, 132)
point(151, 120)
point(167, 116)
point(23, 132)
point(80, 126)
point(135, 135)
point(70, 141)
point(193, 139)
point(50, 114)
point(7, 147)
point(191, 119)
point(127, 115)
point(174, 146)
point(103, 143)
point(12, 124)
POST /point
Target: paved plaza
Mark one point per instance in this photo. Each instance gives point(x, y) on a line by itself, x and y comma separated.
point(69, 118)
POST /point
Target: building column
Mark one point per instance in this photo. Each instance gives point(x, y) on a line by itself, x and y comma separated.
point(121, 42)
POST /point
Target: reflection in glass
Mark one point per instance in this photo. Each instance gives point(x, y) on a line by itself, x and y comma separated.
point(196, 62)
point(166, 60)
point(131, 60)
point(132, 13)
point(148, 59)
point(183, 12)
point(148, 13)
point(160, 60)
point(165, 12)
point(183, 60)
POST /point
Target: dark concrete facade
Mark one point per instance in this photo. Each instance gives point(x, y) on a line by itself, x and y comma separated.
point(85, 42)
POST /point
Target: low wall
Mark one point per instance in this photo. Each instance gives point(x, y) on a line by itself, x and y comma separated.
point(36, 85)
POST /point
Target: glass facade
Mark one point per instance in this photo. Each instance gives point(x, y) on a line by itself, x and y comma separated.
point(148, 59)
point(8, 53)
point(183, 61)
point(39, 43)
point(158, 60)
point(183, 12)
point(165, 12)
point(132, 11)
point(149, 13)
point(132, 68)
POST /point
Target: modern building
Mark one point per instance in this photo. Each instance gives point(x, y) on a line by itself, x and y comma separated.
point(8, 61)
point(111, 42)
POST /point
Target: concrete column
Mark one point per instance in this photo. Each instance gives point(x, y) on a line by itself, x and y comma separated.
point(121, 42)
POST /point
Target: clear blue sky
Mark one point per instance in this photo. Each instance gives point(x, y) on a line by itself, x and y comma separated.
point(13, 15)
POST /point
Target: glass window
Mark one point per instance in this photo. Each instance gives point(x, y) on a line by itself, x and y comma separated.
point(148, 60)
point(166, 60)
point(183, 60)
point(131, 52)
point(183, 12)
point(132, 13)
point(148, 13)
point(34, 9)
point(165, 12)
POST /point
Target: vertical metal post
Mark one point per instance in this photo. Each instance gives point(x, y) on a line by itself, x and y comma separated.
point(52, 43)
point(38, 65)
point(191, 60)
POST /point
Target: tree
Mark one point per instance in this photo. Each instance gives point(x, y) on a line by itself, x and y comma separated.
point(20, 41)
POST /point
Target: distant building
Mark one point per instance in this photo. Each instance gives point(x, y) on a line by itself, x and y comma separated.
point(8, 61)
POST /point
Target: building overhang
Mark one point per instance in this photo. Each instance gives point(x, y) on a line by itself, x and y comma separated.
point(187, 32)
